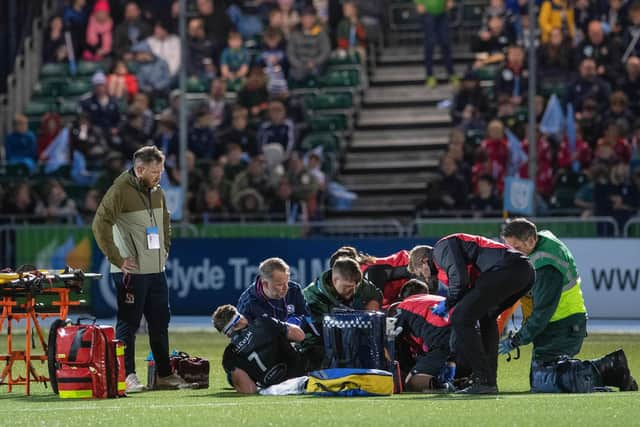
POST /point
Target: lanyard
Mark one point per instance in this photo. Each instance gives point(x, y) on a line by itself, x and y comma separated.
point(148, 207)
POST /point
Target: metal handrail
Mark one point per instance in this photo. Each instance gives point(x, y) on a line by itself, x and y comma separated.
point(499, 221)
point(627, 226)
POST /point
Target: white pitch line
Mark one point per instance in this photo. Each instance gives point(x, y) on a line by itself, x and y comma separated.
point(315, 401)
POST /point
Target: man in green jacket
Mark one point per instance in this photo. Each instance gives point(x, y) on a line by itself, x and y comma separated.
point(133, 230)
point(435, 24)
point(555, 319)
point(342, 287)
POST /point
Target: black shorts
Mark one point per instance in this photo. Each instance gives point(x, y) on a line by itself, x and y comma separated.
point(431, 362)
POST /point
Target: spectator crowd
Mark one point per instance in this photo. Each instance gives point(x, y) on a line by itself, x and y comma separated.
point(586, 107)
point(244, 130)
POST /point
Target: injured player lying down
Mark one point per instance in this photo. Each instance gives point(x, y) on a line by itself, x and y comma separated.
point(260, 353)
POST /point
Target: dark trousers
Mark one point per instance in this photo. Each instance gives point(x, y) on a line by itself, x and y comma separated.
point(151, 298)
point(493, 292)
point(436, 30)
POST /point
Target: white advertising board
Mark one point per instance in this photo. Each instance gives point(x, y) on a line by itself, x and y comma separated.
point(610, 272)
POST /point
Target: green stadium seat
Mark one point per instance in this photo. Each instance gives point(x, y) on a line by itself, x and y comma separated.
point(310, 83)
point(329, 123)
point(340, 78)
point(196, 85)
point(342, 57)
point(68, 107)
point(488, 72)
point(77, 87)
point(404, 17)
point(472, 13)
point(37, 109)
point(53, 70)
point(88, 68)
point(327, 140)
point(47, 88)
point(329, 101)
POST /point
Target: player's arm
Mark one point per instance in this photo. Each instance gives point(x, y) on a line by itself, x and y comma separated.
point(449, 255)
point(242, 382)
point(546, 291)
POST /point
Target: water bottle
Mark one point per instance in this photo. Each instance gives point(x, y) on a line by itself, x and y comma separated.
point(151, 372)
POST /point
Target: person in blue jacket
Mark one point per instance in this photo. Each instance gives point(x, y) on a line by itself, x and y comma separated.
point(272, 294)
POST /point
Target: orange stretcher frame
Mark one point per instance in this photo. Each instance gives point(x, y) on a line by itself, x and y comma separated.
point(32, 317)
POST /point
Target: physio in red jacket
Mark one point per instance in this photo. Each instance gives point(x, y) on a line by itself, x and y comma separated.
point(483, 277)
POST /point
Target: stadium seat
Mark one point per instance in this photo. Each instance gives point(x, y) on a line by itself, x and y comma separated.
point(47, 88)
point(196, 85)
point(488, 72)
point(342, 57)
point(37, 109)
point(329, 101)
point(340, 78)
point(329, 123)
point(403, 16)
point(68, 107)
point(52, 70)
point(310, 83)
point(88, 68)
point(327, 140)
point(77, 87)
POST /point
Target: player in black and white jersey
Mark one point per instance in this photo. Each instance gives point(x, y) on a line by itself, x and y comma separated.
point(260, 353)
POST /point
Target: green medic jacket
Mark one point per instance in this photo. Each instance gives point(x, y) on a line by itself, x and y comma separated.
point(556, 293)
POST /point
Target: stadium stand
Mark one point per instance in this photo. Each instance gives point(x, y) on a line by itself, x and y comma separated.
point(363, 123)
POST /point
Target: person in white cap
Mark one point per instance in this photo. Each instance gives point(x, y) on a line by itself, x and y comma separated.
point(102, 109)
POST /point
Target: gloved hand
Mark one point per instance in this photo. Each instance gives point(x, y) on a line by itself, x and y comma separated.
point(295, 320)
point(392, 331)
point(447, 373)
point(440, 309)
point(506, 345)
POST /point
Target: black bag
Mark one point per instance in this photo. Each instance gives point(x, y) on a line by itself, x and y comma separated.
point(190, 369)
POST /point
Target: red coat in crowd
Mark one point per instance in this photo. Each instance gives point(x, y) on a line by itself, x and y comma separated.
point(544, 179)
point(582, 154)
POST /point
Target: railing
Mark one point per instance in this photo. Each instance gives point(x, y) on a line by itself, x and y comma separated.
point(562, 226)
point(632, 228)
point(73, 244)
point(26, 70)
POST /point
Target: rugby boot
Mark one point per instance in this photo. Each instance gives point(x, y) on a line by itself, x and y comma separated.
point(479, 386)
point(614, 371)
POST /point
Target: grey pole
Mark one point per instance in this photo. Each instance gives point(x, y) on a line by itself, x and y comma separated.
point(533, 68)
point(182, 126)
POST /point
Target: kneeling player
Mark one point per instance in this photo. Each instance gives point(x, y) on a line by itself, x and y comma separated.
point(260, 353)
point(428, 334)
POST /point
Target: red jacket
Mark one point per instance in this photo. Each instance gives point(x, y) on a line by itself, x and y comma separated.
point(391, 289)
point(427, 330)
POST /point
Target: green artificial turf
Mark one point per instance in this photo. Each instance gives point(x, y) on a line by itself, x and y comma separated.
point(220, 406)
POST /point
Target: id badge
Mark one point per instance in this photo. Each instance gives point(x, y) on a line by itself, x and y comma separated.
point(153, 238)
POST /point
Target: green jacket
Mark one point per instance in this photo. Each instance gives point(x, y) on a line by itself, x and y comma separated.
point(556, 293)
point(121, 222)
point(322, 298)
point(433, 7)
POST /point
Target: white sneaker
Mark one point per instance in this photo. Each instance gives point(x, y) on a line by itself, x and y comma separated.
point(174, 382)
point(133, 384)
